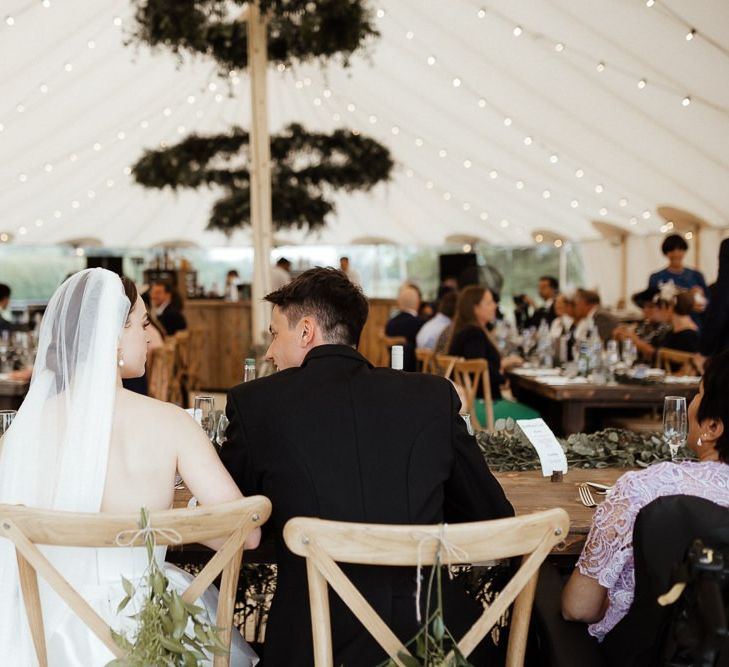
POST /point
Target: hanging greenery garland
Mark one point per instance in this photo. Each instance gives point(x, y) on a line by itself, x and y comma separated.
point(306, 168)
point(298, 30)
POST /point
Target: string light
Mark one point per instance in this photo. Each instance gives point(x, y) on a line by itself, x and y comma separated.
point(43, 88)
point(599, 189)
point(68, 67)
point(686, 101)
point(579, 173)
point(117, 21)
point(558, 243)
point(442, 153)
point(10, 20)
point(484, 215)
point(574, 203)
point(623, 202)
point(554, 158)
point(642, 84)
point(650, 3)
point(380, 13)
point(646, 214)
point(600, 67)
point(456, 83)
point(518, 31)
point(467, 164)
point(493, 174)
point(431, 60)
point(603, 211)
point(527, 141)
point(48, 167)
point(395, 130)
point(690, 35)
point(482, 103)
point(519, 185)
point(481, 13)
point(539, 238)
point(91, 44)
point(559, 47)
point(507, 121)
point(447, 196)
point(409, 34)
point(546, 194)
point(504, 223)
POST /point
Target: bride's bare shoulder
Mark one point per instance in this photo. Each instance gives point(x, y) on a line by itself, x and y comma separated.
point(162, 413)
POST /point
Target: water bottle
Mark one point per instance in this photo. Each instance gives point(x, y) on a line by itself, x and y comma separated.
point(583, 359)
point(249, 370)
point(396, 359)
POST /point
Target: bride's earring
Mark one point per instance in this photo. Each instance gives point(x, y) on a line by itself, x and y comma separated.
point(121, 359)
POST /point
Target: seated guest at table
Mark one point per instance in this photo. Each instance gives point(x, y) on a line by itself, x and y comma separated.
point(564, 320)
point(406, 322)
point(332, 437)
point(5, 325)
point(167, 307)
point(548, 288)
point(82, 443)
point(600, 590)
point(590, 315)
point(684, 334)
point(649, 334)
point(429, 333)
point(674, 247)
point(470, 339)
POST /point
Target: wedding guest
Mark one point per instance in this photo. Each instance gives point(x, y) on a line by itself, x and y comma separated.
point(674, 247)
point(82, 443)
point(564, 316)
point(684, 334)
point(547, 288)
point(406, 322)
point(589, 314)
point(429, 333)
point(281, 273)
point(346, 268)
point(470, 339)
point(600, 590)
point(6, 325)
point(715, 329)
point(648, 336)
point(332, 437)
point(167, 307)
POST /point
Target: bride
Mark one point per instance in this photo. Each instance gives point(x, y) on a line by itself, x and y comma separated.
point(82, 443)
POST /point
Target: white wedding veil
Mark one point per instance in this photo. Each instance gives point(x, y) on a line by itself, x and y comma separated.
point(55, 453)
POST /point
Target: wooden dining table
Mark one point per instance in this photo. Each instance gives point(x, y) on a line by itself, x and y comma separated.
point(12, 393)
point(529, 491)
point(563, 403)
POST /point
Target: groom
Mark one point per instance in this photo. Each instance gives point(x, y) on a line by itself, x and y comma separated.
point(330, 436)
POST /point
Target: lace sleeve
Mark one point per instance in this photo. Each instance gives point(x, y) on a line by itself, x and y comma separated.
point(610, 541)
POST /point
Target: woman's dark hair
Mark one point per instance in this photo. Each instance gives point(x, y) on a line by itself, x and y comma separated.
point(673, 242)
point(130, 290)
point(338, 305)
point(683, 303)
point(465, 315)
point(714, 403)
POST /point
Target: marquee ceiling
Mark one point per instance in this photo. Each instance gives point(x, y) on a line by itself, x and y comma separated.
point(506, 118)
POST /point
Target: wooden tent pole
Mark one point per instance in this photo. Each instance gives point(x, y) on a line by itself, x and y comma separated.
point(624, 268)
point(260, 173)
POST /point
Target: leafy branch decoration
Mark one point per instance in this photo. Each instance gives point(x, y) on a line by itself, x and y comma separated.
point(306, 167)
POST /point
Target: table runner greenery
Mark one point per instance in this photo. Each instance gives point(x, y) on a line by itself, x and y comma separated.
point(509, 450)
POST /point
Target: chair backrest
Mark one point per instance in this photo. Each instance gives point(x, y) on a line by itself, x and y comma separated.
point(162, 371)
point(323, 543)
point(27, 527)
point(424, 359)
point(443, 364)
point(676, 362)
point(195, 359)
point(470, 373)
point(386, 343)
point(664, 529)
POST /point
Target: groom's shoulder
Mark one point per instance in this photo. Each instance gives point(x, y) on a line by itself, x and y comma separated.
point(264, 385)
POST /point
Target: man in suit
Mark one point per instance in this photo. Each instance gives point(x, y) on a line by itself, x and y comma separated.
point(6, 325)
point(548, 288)
point(167, 307)
point(589, 315)
point(333, 437)
point(406, 323)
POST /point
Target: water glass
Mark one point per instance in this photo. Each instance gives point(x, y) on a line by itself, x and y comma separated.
point(630, 353)
point(6, 418)
point(221, 436)
point(204, 414)
point(675, 423)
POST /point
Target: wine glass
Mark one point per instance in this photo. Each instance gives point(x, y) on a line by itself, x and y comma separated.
point(204, 414)
point(221, 437)
point(675, 423)
point(6, 418)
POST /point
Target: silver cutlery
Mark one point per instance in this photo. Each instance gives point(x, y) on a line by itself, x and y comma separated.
point(586, 496)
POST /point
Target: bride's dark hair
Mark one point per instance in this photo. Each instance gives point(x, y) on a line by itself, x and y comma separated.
point(64, 346)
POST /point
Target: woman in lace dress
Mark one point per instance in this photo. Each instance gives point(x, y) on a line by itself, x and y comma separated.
point(600, 590)
point(82, 443)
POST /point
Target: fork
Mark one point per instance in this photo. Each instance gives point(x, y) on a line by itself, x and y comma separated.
point(586, 496)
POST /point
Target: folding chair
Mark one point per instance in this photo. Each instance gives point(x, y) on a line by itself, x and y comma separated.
point(676, 362)
point(386, 343)
point(27, 527)
point(424, 359)
point(444, 364)
point(469, 373)
point(324, 543)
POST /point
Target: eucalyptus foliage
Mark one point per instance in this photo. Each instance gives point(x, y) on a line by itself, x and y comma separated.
point(160, 637)
point(612, 448)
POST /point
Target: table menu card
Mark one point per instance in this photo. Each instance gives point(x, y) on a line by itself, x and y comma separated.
point(551, 454)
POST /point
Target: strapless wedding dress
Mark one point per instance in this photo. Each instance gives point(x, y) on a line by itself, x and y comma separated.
point(72, 644)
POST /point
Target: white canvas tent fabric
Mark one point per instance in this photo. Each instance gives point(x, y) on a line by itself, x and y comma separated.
point(504, 117)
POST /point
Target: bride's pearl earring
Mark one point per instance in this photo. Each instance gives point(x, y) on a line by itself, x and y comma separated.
point(121, 360)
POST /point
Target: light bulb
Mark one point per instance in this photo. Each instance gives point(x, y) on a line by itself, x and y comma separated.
point(117, 21)
point(191, 99)
point(456, 82)
point(75, 204)
point(517, 31)
point(642, 84)
point(409, 34)
point(56, 214)
point(429, 185)
point(466, 206)
point(20, 108)
point(351, 108)
point(527, 141)
point(574, 203)
point(546, 194)
point(380, 13)
point(43, 88)
point(484, 216)
point(121, 136)
point(180, 129)
point(91, 44)
point(646, 214)
point(395, 129)
point(48, 167)
point(23, 178)
point(481, 103)
point(504, 223)
point(650, 3)
point(91, 194)
point(144, 124)
point(579, 173)
point(317, 101)
point(554, 158)
point(467, 164)
point(39, 222)
point(559, 47)
point(9, 20)
point(68, 67)
point(633, 221)
point(431, 60)
point(600, 67)
point(519, 185)
point(603, 211)
point(558, 243)
point(418, 142)
point(97, 146)
point(507, 121)
point(481, 13)
point(686, 101)
point(539, 238)
point(599, 189)
point(447, 196)
point(442, 152)
point(493, 174)
point(409, 173)
point(623, 202)
point(690, 35)
point(327, 93)
point(167, 112)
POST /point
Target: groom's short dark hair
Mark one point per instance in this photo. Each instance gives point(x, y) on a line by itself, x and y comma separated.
point(338, 305)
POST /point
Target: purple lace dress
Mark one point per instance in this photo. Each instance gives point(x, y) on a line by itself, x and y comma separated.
point(608, 553)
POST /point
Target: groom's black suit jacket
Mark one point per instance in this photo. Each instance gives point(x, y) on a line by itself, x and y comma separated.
point(341, 440)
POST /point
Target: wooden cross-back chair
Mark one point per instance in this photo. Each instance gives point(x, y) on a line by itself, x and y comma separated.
point(424, 359)
point(470, 373)
point(195, 360)
point(182, 363)
point(160, 382)
point(676, 362)
point(386, 343)
point(324, 543)
point(26, 527)
point(443, 364)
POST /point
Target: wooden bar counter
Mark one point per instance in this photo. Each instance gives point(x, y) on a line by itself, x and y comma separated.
point(226, 327)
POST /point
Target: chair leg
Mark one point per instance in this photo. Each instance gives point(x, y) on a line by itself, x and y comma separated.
point(31, 597)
